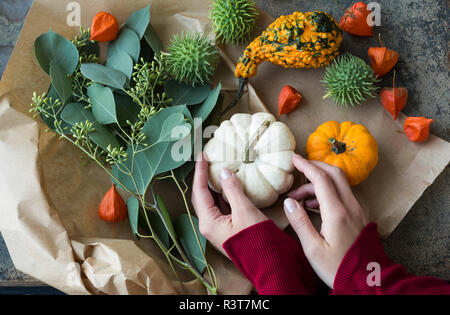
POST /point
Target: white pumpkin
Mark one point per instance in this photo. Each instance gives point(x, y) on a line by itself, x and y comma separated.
point(259, 150)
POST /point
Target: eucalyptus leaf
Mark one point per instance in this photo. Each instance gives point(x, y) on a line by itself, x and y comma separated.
point(189, 242)
point(159, 228)
point(214, 118)
point(204, 110)
point(121, 62)
point(157, 157)
point(182, 172)
point(147, 164)
point(182, 93)
point(153, 40)
point(52, 46)
point(173, 121)
point(153, 126)
point(147, 54)
point(76, 113)
point(60, 81)
point(139, 20)
point(143, 167)
point(127, 42)
point(169, 161)
point(210, 113)
point(104, 75)
point(133, 213)
point(49, 121)
point(103, 103)
point(165, 216)
point(126, 109)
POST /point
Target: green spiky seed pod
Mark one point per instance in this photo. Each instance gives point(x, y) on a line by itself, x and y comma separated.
point(349, 80)
point(191, 58)
point(233, 20)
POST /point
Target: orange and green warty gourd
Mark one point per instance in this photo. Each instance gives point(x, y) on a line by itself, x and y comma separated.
point(298, 40)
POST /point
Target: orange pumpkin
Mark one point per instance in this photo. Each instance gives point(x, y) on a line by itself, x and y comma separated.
point(346, 145)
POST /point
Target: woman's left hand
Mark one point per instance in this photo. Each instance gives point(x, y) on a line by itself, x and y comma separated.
point(213, 224)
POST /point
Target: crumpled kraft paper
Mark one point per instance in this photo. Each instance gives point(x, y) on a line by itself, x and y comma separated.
point(48, 204)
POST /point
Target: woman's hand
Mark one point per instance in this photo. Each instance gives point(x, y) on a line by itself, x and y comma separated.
point(342, 216)
point(213, 224)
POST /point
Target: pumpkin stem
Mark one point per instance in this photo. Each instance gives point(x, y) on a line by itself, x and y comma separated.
point(253, 139)
point(337, 146)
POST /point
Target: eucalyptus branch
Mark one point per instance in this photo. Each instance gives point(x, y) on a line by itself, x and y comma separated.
point(208, 267)
point(146, 90)
point(185, 262)
point(147, 77)
point(83, 39)
point(120, 135)
point(79, 82)
point(153, 234)
point(46, 107)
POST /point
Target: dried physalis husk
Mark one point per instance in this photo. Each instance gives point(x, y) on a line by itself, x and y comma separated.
point(105, 27)
point(417, 128)
point(354, 20)
point(112, 208)
point(394, 99)
point(382, 59)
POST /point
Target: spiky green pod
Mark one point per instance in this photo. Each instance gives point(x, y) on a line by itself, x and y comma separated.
point(349, 80)
point(191, 58)
point(233, 20)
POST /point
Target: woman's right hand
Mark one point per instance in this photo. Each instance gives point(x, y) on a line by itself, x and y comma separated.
point(216, 226)
point(342, 217)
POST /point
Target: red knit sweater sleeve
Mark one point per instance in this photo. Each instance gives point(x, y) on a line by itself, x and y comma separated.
point(271, 260)
point(358, 271)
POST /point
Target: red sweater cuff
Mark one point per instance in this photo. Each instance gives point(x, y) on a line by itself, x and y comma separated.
point(271, 260)
point(366, 269)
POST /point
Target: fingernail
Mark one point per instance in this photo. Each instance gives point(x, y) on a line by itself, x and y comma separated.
point(225, 173)
point(290, 205)
point(299, 157)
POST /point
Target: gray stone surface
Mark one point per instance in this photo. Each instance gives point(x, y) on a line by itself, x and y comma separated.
point(12, 15)
point(418, 31)
point(7, 270)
